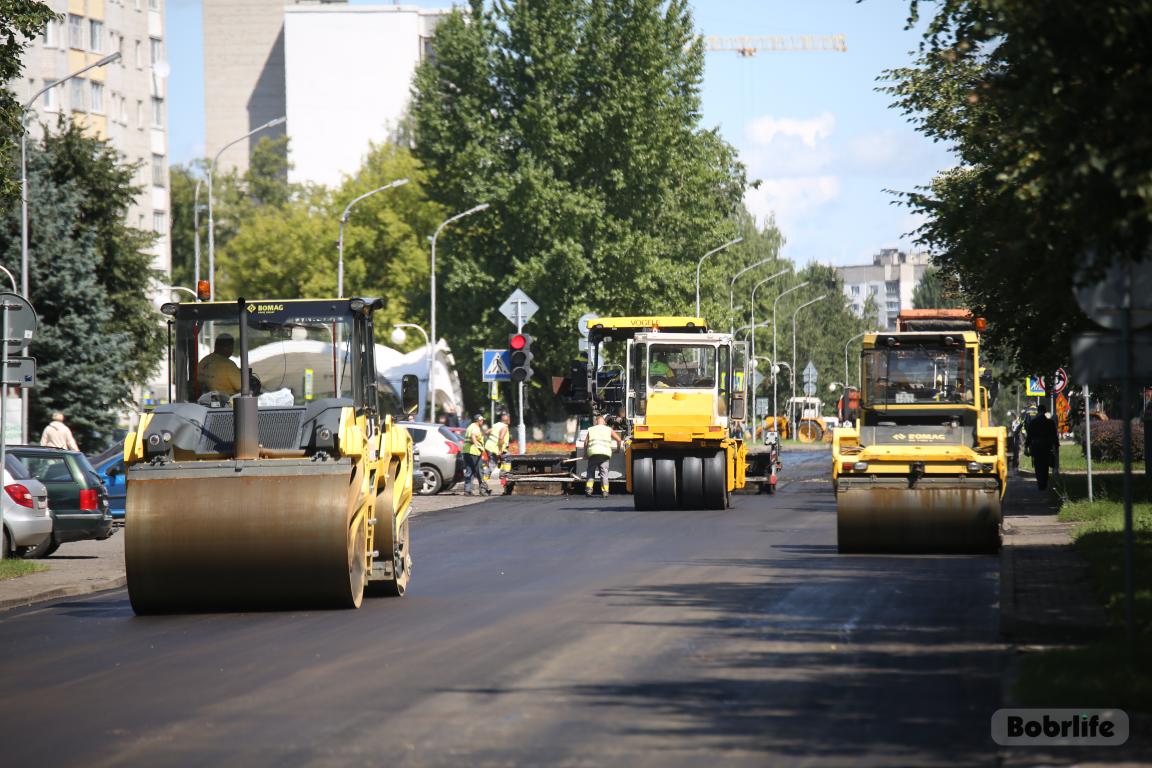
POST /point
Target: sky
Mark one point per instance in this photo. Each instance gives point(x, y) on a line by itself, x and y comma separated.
point(810, 126)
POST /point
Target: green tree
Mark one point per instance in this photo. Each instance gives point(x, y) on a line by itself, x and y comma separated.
point(1049, 109)
point(88, 358)
point(21, 21)
point(936, 291)
point(578, 121)
point(181, 193)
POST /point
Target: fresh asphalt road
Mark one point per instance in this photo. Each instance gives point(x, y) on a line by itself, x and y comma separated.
point(544, 631)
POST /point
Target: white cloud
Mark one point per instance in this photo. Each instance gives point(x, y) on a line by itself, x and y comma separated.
point(762, 131)
point(791, 199)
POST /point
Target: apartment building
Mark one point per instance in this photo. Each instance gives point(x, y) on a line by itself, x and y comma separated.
point(888, 281)
point(124, 102)
point(340, 73)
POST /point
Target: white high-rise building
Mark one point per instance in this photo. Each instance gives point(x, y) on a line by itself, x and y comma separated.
point(124, 102)
point(889, 281)
point(342, 74)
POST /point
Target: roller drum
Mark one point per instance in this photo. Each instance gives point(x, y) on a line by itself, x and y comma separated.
point(237, 535)
point(953, 515)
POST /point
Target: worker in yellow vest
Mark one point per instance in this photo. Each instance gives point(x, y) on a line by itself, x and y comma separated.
point(473, 450)
point(497, 444)
point(598, 450)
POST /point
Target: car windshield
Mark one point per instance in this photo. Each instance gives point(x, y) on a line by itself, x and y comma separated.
point(450, 435)
point(54, 469)
point(919, 374)
point(689, 366)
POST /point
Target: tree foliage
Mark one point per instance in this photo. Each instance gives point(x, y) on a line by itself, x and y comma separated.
point(1049, 109)
point(936, 291)
point(577, 120)
point(90, 281)
point(20, 21)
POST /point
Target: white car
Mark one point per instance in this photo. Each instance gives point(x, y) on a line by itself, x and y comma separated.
point(27, 519)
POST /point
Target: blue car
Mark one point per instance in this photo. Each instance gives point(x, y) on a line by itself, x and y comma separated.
point(110, 466)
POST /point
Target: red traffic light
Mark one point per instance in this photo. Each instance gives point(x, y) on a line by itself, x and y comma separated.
point(517, 341)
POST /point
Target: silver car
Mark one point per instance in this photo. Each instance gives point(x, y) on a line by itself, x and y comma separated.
point(27, 519)
point(441, 462)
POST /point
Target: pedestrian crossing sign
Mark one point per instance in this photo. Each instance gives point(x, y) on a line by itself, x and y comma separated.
point(495, 365)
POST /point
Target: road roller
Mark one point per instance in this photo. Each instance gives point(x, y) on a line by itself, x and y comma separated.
point(684, 395)
point(279, 481)
point(922, 469)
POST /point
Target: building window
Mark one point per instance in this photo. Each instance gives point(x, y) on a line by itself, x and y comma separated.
point(96, 36)
point(50, 100)
point(855, 290)
point(75, 32)
point(159, 171)
point(155, 51)
point(160, 223)
point(51, 36)
point(153, 5)
point(157, 112)
point(76, 92)
point(97, 91)
point(139, 55)
point(140, 114)
point(123, 111)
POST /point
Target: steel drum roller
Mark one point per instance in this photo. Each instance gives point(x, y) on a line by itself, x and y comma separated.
point(235, 534)
point(936, 515)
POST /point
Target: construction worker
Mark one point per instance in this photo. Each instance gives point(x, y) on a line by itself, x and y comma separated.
point(497, 444)
point(473, 450)
point(216, 372)
point(598, 451)
point(659, 372)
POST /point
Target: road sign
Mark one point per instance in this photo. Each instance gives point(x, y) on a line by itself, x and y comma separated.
point(22, 321)
point(495, 365)
point(1098, 358)
point(21, 372)
point(520, 300)
point(1061, 381)
point(582, 323)
point(762, 406)
point(757, 380)
point(810, 374)
point(810, 389)
point(1034, 386)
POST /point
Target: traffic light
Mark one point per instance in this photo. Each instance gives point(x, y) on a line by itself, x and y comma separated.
point(520, 356)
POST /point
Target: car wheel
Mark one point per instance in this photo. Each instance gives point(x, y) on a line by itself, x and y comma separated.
point(41, 550)
point(433, 481)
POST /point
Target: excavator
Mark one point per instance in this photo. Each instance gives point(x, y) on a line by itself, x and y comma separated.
point(293, 492)
point(923, 469)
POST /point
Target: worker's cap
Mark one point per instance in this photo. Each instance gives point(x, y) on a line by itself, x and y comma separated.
point(478, 417)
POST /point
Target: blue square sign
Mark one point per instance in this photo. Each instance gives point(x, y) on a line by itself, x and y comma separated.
point(495, 365)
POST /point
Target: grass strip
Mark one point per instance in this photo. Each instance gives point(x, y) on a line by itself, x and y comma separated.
point(14, 568)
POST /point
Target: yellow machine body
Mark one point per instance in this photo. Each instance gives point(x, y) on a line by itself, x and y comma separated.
point(317, 518)
point(922, 470)
point(682, 454)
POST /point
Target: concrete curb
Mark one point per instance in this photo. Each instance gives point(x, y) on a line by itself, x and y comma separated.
point(59, 592)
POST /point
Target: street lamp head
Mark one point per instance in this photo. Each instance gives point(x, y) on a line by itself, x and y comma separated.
point(398, 335)
point(477, 209)
point(273, 123)
point(108, 59)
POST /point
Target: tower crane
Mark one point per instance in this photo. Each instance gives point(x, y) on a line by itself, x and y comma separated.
point(749, 45)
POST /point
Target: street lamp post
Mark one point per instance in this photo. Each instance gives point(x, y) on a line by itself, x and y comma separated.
point(432, 369)
point(196, 228)
point(175, 288)
point(211, 217)
point(794, 363)
point(701, 263)
point(762, 282)
point(732, 289)
point(24, 253)
point(398, 337)
point(343, 220)
point(775, 410)
point(846, 345)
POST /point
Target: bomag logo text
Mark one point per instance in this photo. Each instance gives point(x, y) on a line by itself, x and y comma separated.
point(264, 309)
point(920, 437)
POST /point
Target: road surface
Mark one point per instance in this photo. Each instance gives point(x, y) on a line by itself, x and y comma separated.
point(544, 631)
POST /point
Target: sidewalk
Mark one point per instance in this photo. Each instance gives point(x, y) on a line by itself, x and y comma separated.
point(93, 566)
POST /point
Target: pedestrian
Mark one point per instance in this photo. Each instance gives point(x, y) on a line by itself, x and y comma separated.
point(473, 451)
point(496, 444)
point(1043, 443)
point(57, 434)
point(598, 450)
point(1014, 427)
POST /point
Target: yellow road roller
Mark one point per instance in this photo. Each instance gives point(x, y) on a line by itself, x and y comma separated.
point(279, 481)
point(685, 394)
point(922, 470)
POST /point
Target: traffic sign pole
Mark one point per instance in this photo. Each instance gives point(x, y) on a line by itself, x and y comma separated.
point(522, 432)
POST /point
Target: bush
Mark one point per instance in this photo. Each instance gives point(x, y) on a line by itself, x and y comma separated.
point(1108, 441)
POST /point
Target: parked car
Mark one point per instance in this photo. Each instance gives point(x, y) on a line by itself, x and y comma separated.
point(110, 466)
point(441, 462)
point(27, 519)
point(76, 496)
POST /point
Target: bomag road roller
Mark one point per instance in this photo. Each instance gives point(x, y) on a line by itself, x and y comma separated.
point(278, 483)
point(683, 392)
point(922, 470)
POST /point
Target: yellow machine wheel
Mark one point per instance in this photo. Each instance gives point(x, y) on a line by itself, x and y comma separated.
point(810, 431)
point(715, 481)
point(664, 481)
point(692, 482)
